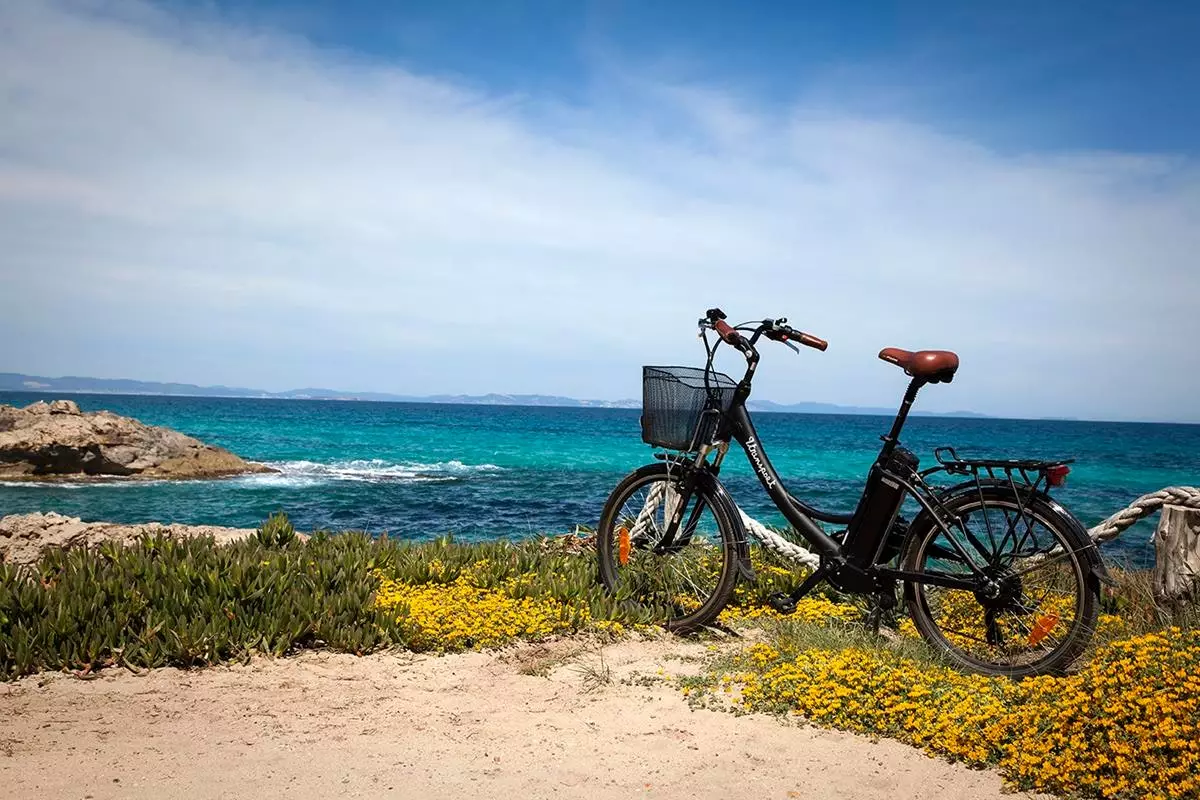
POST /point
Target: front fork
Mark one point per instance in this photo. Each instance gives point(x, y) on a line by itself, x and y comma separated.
point(674, 515)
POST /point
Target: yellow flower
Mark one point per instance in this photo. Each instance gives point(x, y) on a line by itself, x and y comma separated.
point(1126, 725)
point(459, 615)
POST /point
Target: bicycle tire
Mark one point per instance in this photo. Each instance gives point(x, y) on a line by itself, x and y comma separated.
point(686, 588)
point(1050, 598)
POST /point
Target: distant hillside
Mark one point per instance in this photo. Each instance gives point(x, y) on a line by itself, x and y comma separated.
point(15, 382)
point(831, 408)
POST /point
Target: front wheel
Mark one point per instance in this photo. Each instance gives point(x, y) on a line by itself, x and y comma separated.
point(1034, 609)
point(684, 582)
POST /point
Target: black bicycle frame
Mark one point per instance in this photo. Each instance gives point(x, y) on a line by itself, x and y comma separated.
point(736, 425)
point(798, 514)
point(860, 569)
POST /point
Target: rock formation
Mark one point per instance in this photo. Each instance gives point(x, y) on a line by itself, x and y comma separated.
point(23, 537)
point(55, 440)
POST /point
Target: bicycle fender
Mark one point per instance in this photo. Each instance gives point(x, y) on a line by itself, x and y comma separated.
point(1089, 550)
point(716, 489)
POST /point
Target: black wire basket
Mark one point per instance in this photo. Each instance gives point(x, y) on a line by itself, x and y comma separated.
point(681, 406)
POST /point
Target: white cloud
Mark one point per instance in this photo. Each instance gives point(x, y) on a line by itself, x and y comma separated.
point(183, 199)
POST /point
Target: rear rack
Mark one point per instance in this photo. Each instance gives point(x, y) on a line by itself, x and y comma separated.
point(1032, 472)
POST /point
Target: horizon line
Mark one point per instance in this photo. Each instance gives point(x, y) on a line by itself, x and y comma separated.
point(871, 411)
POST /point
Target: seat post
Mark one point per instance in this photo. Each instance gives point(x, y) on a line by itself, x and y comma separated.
point(893, 437)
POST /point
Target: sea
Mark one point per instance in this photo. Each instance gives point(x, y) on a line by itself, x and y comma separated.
point(419, 471)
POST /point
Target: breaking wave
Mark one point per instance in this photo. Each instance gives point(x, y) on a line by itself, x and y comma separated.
point(369, 471)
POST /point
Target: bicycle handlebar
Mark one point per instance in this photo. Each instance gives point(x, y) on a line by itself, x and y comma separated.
point(786, 333)
point(776, 330)
point(728, 334)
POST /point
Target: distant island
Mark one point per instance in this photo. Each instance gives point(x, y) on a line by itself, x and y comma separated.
point(16, 382)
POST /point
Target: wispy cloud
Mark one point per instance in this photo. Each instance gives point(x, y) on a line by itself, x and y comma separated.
point(183, 198)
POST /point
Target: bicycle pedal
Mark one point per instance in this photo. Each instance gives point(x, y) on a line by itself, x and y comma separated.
point(783, 603)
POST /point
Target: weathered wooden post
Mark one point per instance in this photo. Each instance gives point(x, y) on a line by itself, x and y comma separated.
point(1177, 554)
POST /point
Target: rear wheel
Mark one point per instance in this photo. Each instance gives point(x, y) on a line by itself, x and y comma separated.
point(684, 583)
point(1039, 610)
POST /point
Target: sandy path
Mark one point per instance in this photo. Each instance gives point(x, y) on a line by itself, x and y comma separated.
point(323, 725)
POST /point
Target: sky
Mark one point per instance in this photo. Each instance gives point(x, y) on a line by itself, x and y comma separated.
point(540, 197)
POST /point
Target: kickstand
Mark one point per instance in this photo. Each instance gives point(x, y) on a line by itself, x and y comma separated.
point(882, 603)
point(786, 603)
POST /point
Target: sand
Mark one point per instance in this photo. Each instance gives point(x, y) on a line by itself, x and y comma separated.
point(537, 721)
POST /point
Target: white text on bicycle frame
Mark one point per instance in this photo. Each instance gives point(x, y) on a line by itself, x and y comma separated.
point(752, 449)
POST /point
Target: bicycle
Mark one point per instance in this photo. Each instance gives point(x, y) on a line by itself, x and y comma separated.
point(993, 572)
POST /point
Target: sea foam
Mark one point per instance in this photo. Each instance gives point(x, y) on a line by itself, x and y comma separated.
point(373, 470)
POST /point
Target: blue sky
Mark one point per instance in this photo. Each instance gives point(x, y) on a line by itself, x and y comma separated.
point(540, 197)
point(1103, 75)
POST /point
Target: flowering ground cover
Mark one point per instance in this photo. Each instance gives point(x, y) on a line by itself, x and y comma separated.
point(1124, 724)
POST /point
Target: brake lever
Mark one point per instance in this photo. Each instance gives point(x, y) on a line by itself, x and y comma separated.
point(779, 333)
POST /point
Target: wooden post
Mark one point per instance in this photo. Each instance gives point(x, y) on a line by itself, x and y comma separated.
point(1177, 554)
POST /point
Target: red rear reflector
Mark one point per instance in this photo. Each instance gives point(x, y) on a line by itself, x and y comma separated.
point(1057, 476)
point(1042, 627)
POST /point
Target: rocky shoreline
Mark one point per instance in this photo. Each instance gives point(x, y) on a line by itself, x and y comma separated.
point(56, 441)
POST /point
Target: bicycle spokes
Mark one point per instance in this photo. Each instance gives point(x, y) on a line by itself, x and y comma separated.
point(1022, 602)
point(679, 574)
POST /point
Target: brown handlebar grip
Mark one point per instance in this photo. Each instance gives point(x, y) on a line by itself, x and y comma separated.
point(726, 332)
point(814, 342)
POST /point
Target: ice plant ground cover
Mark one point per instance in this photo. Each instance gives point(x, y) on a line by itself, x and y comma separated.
point(190, 602)
point(1125, 724)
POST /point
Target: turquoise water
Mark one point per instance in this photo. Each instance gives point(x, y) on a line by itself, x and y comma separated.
point(421, 470)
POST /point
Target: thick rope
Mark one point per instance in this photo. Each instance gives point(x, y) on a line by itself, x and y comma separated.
point(646, 515)
point(1144, 506)
point(779, 545)
point(772, 541)
point(1109, 529)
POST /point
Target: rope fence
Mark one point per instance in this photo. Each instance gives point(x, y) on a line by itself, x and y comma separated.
point(1109, 529)
point(1144, 506)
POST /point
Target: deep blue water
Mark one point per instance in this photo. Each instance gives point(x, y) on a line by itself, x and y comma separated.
point(421, 470)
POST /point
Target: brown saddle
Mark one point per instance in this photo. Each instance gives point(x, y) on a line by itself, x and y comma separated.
point(934, 366)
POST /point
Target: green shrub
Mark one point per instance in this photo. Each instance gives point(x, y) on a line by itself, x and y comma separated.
point(277, 531)
point(191, 602)
point(188, 602)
